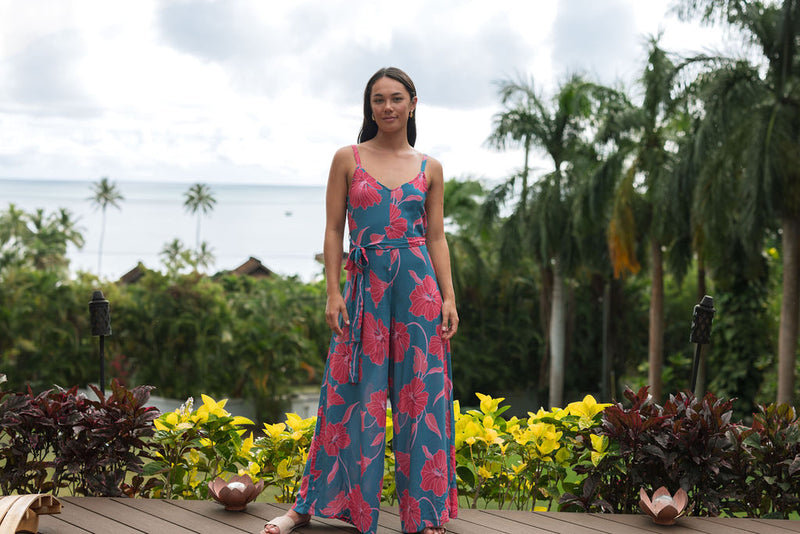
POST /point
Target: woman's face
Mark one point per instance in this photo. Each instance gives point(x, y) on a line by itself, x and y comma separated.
point(391, 103)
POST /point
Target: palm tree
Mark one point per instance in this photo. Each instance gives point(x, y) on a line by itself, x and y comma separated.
point(14, 234)
point(46, 246)
point(517, 124)
point(104, 193)
point(203, 257)
point(751, 131)
point(199, 199)
point(542, 225)
point(648, 185)
point(175, 256)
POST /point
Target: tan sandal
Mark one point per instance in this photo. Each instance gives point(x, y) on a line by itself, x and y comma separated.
point(285, 524)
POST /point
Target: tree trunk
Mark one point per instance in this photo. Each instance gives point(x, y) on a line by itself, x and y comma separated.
point(701, 277)
point(605, 379)
point(557, 341)
point(545, 309)
point(790, 308)
point(100, 248)
point(656, 338)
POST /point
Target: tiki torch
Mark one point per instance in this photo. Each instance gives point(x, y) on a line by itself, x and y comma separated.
point(100, 319)
point(701, 332)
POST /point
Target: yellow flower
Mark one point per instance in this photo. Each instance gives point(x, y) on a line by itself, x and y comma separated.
point(274, 430)
point(210, 407)
point(563, 456)
point(490, 436)
point(247, 444)
point(488, 421)
point(470, 440)
point(488, 404)
point(200, 416)
point(600, 446)
point(239, 420)
point(253, 469)
point(547, 446)
point(522, 436)
point(599, 443)
point(296, 423)
point(456, 410)
point(586, 410)
point(283, 469)
point(484, 473)
point(159, 425)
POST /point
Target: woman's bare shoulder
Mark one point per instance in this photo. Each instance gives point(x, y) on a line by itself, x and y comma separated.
point(343, 153)
point(434, 166)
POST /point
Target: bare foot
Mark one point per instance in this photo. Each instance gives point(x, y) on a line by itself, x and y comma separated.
point(434, 530)
point(297, 519)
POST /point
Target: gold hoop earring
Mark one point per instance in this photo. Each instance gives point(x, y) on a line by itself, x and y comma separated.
point(411, 115)
point(373, 117)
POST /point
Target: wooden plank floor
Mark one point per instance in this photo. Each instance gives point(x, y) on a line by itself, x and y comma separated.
point(81, 515)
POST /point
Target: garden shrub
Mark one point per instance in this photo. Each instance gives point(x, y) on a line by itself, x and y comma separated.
point(519, 462)
point(691, 443)
point(60, 439)
point(191, 447)
point(766, 464)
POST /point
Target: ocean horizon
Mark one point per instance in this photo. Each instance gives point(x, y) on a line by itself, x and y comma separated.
point(280, 225)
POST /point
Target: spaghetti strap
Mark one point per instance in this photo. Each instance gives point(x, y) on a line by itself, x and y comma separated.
point(355, 153)
point(424, 162)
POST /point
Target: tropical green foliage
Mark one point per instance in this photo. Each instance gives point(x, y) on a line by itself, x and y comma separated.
point(229, 335)
point(37, 240)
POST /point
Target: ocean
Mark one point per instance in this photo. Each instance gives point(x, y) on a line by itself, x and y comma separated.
point(281, 225)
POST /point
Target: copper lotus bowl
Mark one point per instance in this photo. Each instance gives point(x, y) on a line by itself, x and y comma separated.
point(663, 508)
point(235, 493)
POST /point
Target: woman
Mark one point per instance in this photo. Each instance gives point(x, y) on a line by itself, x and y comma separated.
point(391, 329)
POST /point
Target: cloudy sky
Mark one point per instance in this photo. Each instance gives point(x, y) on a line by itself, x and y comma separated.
point(265, 91)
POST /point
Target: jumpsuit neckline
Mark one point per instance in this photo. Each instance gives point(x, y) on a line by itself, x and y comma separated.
point(384, 186)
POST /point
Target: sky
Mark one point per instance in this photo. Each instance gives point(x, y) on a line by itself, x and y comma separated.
point(258, 91)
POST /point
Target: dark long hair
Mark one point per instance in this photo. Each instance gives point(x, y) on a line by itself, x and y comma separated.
point(369, 128)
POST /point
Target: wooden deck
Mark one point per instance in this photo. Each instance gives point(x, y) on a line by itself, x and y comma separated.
point(129, 516)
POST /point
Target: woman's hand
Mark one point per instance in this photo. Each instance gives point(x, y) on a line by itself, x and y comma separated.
point(449, 319)
point(333, 308)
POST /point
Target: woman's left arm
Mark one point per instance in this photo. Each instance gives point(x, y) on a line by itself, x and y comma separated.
point(437, 246)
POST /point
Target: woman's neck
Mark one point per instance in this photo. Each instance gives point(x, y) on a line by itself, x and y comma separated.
point(395, 141)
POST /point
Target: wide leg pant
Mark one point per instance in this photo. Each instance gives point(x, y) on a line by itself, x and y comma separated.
point(401, 357)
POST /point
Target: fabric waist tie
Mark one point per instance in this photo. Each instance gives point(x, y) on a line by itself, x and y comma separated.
point(357, 264)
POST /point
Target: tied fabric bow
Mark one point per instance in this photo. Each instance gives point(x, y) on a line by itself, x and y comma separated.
point(357, 264)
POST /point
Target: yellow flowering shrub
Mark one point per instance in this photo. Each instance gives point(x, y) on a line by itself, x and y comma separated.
point(191, 447)
point(521, 462)
point(278, 458)
point(515, 463)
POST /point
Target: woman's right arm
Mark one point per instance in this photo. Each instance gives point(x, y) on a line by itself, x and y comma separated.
point(335, 216)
